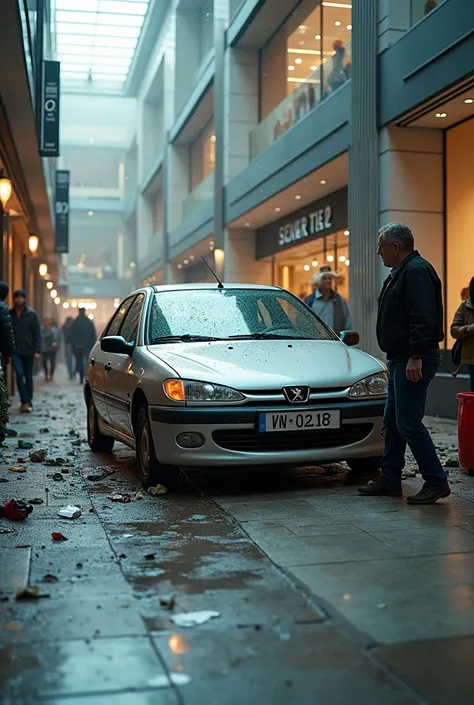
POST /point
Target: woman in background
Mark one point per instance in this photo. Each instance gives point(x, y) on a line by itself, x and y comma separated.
point(462, 328)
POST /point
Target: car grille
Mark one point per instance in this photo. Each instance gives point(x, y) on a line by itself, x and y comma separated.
point(250, 441)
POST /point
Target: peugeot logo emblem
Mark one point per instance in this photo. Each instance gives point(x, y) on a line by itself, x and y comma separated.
point(296, 395)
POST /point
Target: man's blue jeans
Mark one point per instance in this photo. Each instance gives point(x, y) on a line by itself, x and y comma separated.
point(24, 367)
point(471, 375)
point(403, 422)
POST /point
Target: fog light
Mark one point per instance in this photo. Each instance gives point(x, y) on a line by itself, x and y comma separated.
point(190, 440)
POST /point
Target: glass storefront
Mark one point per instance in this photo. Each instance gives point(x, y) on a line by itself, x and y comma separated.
point(304, 62)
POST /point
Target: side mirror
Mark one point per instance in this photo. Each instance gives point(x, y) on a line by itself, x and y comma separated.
point(350, 337)
point(116, 344)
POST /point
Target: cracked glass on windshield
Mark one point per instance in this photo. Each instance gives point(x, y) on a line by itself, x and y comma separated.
point(221, 313)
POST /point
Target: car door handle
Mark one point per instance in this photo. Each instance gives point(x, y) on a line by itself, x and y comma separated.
point(108, 366)
point(93, 361)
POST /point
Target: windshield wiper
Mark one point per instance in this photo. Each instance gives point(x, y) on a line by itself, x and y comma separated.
point(186, 338)
point(267, 336)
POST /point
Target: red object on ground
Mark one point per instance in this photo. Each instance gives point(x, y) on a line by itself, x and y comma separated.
point(15, 510)
point(466, 432)
point(56, 536)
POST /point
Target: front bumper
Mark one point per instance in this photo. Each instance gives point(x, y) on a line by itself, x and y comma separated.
point(231, 436)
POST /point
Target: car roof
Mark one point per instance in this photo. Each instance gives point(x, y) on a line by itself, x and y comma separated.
point(200, 287)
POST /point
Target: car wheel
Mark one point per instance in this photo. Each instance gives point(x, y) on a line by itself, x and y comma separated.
point(97, 441)
point(365, 466)
point(152, 472)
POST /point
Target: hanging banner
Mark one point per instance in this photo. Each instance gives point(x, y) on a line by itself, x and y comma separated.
point(49, 126)
point(61, 210)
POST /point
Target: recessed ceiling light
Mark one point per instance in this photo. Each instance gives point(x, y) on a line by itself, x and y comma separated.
point(298, 61)
point(186, 261)
point(247, 225)
point(441, 115)
point(301, 43)
point(298, 198)
point(314, 68)
point(342, 258)
point(338, 24)
point(317, 36)
point(314, 263)
point(323, 181)
point(349, 27)
point(191, 258)
point(277, 209)
point(291, 68)
point(306, 268)
point(330, 258)
point(347, 262)
point(469, 101)
point(346, 233)
point(180, 266)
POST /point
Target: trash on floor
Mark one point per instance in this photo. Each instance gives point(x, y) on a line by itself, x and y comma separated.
point(49, 578)
point(150, 556)
point(157, 490)
point(7, 531)
point(452, 462)
point(44, 430)
point(25, 445)
point(168, 602)
point(70, 512)
point(57, 477)
point(57, 536)
point(99, 475)
point(38, 456)
point(15, 510)
point(55, 462)
point(123, 498)
point(194, 619)
point(18, 468)
point(408, 473)
point(31, 593)
point(11, 433)
point(166, 681)
point(36, 500)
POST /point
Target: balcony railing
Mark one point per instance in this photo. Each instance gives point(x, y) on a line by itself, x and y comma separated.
point(202, 193)
point(333, 73)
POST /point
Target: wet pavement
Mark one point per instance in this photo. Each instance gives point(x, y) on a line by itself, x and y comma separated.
point(323, 596)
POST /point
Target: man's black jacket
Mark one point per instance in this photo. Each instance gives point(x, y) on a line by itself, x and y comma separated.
point(7, 341)
point(410, 314)
point(27, 331)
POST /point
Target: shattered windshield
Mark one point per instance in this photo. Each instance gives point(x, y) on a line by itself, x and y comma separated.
point(232, 313)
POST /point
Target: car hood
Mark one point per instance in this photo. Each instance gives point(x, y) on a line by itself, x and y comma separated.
point(269, 364)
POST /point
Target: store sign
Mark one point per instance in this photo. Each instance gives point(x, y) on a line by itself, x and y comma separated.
point(309, 223)
point(49, 130)
point(61, 211)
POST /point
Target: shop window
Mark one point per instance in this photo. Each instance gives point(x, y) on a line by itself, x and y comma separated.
point(459, 215)
point(304, 62)
point(202, 156)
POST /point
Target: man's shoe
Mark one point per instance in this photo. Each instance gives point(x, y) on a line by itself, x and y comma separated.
point(379, 488)
point(429, 494)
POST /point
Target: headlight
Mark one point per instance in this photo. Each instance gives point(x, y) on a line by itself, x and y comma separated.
point(373, 386)
point(189, 390)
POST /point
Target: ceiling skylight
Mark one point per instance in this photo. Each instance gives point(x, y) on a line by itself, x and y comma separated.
point(97, 39)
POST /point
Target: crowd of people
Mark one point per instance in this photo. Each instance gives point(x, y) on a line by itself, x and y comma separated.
point(25, 341)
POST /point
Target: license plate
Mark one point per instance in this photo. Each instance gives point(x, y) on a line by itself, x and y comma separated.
point(279, 422)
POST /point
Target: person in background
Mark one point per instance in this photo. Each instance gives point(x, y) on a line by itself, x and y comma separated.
point(465, 293)
point(329, 306)
point(27, 334)
point(409, 331)
point(68, 349)
point(49, 347)
point(462, 328)
point(430, 5)
point(7, 341)
point(83, 337)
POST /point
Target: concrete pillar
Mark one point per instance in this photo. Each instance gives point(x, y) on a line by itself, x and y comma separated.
point(240, 264)
point(144, 226)
point(240, 109)
point(364, 279)
point(411, 168)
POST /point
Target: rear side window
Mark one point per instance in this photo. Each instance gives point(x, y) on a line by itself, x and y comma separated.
point(130, 325)
point(114, 326)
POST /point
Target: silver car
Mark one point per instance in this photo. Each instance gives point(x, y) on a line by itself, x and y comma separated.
point(235, 375)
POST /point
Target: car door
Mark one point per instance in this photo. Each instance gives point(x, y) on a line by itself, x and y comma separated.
point(96, 373)
point(121, 378)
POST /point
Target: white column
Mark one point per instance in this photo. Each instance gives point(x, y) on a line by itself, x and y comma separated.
point(240, 265)
point(240, 109)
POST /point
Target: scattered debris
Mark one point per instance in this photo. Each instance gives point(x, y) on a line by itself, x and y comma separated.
point(55, 462)
point(49, 578)
point(150, 556)
point(79, 565)
point(11, 433)
point(166, 681)
point(452, 462)
point(44, 430)
point(57, 477)
point(127, 536)
point(57, 536)
point(65, 471)
point(23, 545)
point(7, 531)
point(157, 490)
point(139, 495)
point(123, 498)
point(70, 512)
point(38, 456)
point(36, 500)
point(31, 593)
point(25, 445)
point(408, 473)
point(18, 468)
point(15, 510)
point(168, 602)
point(194, 619)
point(99, 475)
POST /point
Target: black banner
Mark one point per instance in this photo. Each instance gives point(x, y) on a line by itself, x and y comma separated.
point(49, 129)
point(61, 210)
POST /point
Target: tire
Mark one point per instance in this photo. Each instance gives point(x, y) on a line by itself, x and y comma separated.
point(152, 472)
point(96, 440)
point(365, 466)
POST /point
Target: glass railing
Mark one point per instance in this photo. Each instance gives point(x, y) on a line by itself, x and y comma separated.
point(333, 74)
point(202, 193)
point(419, 9)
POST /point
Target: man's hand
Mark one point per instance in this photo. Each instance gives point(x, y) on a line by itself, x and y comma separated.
point(414, 370)
point(37, 356)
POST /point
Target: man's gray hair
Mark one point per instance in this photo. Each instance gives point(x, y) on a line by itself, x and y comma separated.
point(399, 233)
point(317, 279)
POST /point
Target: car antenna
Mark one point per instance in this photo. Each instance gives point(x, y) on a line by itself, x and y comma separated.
point(220, 285)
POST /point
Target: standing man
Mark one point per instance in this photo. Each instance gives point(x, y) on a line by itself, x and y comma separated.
point(327, 304)
point(82, 336)
point(27, 332)
point(409, 330)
